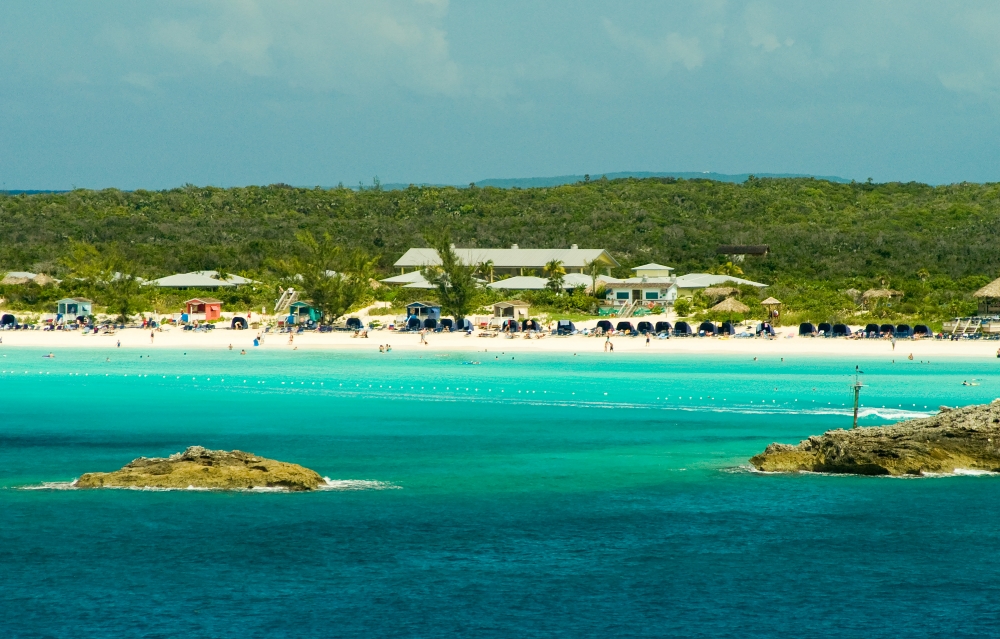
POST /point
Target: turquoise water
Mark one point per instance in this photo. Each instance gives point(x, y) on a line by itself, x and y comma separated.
point(533, 495)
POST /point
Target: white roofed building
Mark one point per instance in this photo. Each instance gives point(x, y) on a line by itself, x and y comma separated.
point(513, 260)
point(200, 279)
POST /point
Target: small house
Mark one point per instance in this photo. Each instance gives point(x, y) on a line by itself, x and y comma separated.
point(653, 290)
point(207, 309)
point(303, 313)
point(515, 309)
point(74, 307)
point(423, 310)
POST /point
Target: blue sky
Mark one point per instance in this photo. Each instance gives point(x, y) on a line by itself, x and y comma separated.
point(311, 92)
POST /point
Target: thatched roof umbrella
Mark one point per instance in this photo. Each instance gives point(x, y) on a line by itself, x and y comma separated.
point(771, 305)
point(731, 305)
point(991, 290)
point(873, 294)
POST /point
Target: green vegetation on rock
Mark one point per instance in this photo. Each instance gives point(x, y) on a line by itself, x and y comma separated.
point(199, 467)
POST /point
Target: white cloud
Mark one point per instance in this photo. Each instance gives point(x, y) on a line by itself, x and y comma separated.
point(323, 45)
point(661, 54)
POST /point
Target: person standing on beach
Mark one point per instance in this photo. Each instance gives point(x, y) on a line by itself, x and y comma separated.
point(607, 340)
point(291, 337)
point(894, 343)
point(423, 336)
point(151, 336)
point(119, 344)
point(647, 339)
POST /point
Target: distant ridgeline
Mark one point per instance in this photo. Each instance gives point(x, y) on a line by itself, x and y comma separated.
point(816, 228)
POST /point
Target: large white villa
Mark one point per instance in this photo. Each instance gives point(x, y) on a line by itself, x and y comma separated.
point(522, 269)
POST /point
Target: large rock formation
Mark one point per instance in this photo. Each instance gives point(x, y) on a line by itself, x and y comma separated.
point(199, 467)
point(961, 439)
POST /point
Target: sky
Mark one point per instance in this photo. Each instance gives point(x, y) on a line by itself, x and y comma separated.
point(318, 92)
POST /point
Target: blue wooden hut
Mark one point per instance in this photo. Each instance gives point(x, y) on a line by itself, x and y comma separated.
point(303, 313)
point(423, 311)
point(74, 307)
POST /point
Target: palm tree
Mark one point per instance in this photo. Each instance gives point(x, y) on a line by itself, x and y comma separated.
point(486, 268)
point(728, 269)
point(593, 269)
point(557, 275)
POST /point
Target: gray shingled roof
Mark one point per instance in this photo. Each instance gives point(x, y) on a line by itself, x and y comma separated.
point(509, 257)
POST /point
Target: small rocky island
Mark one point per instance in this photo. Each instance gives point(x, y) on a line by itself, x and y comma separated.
point(199, 467)
point(955, 439)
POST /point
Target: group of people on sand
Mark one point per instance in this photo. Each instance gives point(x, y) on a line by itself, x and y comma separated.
point(384, 348)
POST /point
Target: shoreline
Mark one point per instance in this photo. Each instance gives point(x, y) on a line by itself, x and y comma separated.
point(220, 339)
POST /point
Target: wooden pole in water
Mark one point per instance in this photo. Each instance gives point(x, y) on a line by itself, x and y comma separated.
point(857, 392)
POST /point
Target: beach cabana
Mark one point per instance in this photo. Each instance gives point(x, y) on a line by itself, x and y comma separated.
point(644, 327)
point(413, 323)
point(662, 327)
point(887, 329)
point(511, 308)
point(354, 324)
point(904, 330)
point(239, 324)
point(708, 328)
point(530, 325)
point(841, 330)
point(625, 327)
point(207, 309)
point(807, 328)
point(921, 330)
point(727, 328)
point(682, 329)
point(605, 325)
point(824, 329)
point(565, 327)
point(6, 319)
point(509, 325)
point(871, 330)
point(765, 328)
point(423, 310)
point(448, 324)
point(430, 323)
point(74, 307)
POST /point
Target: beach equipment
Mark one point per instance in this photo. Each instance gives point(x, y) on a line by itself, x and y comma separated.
point(565, 327)
point(921, 330)
point(354, 324)
point(841, 330)
point(726, 328)
point(904, 330)
point(412, 323)
point(625, 327)
point(530, 325)
point(682, 329)
point(824, 329)
point(807, 328)
point(644, 327)
point(766, 328)
point(430, 323)
point(731, 305)
point(662, 327)
point(871, 330)
point(708, 328)
point(509, 325)
point(238, 323)
point(887, 330)
point(8, 320)
point(605, 325)
point(448, 324)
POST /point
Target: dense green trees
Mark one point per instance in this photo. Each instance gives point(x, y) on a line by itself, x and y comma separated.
point(825, 237)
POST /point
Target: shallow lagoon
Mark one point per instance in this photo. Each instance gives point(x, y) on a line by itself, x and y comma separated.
point(537, 495)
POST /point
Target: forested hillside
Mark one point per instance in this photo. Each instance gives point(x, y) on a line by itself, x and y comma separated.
point(926, 240)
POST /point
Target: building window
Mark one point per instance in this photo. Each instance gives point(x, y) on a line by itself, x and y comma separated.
point(652, 295)
point(621, 295)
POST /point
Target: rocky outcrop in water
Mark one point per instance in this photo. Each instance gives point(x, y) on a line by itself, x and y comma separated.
point(199, 467)
point(959, 439)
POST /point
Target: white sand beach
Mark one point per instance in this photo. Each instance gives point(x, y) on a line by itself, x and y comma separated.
point(785, 344)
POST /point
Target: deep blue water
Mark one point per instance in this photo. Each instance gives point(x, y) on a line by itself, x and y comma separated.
point(517, 499)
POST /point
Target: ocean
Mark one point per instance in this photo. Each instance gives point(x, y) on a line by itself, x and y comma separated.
point(521, 496)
